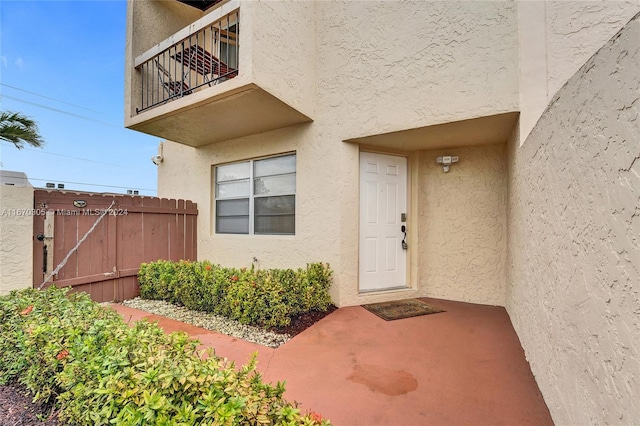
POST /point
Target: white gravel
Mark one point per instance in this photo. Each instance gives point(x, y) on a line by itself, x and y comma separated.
point(210, 322)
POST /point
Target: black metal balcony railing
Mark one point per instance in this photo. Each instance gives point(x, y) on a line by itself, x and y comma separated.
point(204, 58)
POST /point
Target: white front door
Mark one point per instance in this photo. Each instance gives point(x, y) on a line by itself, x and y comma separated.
point(383, 199)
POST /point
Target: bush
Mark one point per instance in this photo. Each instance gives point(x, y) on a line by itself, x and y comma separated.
point(99, 371)
point(159, 280)
point(264, 298)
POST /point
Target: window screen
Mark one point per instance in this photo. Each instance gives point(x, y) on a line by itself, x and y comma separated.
point(257, 196)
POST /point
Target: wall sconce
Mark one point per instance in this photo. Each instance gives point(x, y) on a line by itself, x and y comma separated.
point(157, 159)
point(447, 161)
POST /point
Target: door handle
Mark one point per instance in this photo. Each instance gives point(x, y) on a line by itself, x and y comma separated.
point(403, 229)
point(45, 254)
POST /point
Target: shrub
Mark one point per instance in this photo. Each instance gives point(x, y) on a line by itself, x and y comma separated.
point(252, 296)
point(157, 280)
point(99, 371)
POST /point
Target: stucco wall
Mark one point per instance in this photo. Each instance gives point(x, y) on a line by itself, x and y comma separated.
point(16, 238)
point(556, 38)
point(574, 245)
point(148, 23)
point(385, 67)
point(462, 225)
point(388, 66)
point(189, 172)
point(379, 67)
point(283, 55)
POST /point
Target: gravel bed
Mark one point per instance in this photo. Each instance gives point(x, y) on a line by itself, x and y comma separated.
point(210, 322)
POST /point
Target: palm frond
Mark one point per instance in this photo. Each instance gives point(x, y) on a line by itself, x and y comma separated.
point(19, 130)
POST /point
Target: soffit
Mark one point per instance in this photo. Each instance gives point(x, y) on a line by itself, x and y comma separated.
point(245, 111)
point(472, 132)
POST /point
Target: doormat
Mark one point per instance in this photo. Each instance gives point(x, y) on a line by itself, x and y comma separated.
point(399, 309)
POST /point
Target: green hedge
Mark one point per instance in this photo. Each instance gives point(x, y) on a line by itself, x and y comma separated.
point(99, 371)
point(252, 296)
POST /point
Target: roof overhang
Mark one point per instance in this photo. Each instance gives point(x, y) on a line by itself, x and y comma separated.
point(198, 121)
point(485, 130)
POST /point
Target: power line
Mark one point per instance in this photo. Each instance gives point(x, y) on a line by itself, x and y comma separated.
point(50, 98)
point(93, 184)
point(62, 155)
point(61, 111)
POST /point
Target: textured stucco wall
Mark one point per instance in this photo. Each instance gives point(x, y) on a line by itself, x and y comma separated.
point(189, 172)
point(283, 55)
point(574, 241)
point(394, 66)
point(556, 38)
point(463, 225)
point(148, 23)
point(379, 66)
point(387, 66)
point(16, 238)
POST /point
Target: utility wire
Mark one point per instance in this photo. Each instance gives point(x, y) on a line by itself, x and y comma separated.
point(92, 184)
point(62, 155)
point(50, 98)
point(61, 111)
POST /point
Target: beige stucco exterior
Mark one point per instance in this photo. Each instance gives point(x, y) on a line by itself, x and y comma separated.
point(540, 215)
point(250, 103)
point(462, 220)
point(359, 70)
point(574, 249)
point(556, 38)
point(16, 237)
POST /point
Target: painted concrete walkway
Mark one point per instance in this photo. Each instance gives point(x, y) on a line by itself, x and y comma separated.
point(464, 366)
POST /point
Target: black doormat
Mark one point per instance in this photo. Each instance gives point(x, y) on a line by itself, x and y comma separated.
point(399, 309)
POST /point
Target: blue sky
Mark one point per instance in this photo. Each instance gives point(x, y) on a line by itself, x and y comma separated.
point(62, 64)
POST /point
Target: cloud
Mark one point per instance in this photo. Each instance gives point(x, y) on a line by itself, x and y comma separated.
point(3, 59)
point(19, 63)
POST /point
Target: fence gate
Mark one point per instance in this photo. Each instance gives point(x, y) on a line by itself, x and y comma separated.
point(127, 230)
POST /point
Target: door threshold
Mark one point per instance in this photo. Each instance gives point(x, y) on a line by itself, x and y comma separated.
point(385, 290)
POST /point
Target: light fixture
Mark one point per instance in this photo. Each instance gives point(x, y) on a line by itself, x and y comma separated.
point(447, 161)
point(157, 159)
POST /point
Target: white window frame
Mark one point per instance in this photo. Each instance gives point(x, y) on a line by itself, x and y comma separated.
point(252, 196)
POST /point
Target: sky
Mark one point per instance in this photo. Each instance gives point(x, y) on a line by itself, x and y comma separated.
point(62, 65)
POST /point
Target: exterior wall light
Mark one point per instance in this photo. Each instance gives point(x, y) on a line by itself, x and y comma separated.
point(447, 161)
point(157, 159)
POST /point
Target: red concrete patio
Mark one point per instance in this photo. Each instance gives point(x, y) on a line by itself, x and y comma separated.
point(464, 366)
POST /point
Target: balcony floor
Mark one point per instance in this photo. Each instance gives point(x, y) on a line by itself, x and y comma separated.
point(464, 366)
point(216, 114)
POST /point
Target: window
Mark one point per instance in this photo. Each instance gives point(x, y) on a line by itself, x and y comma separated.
point(257, 196)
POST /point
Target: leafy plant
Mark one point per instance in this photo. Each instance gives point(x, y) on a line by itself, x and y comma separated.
point(68, 349)
point(252, 296)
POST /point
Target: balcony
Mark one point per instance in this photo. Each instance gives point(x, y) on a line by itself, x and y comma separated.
point(201, 59)
point(202, 84)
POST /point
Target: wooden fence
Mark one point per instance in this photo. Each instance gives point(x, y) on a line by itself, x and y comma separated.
point(127, 231)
